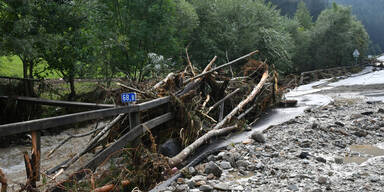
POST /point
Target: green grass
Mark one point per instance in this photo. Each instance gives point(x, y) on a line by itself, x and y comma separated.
point(12, 66)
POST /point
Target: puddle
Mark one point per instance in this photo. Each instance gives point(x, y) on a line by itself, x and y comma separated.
point(367, 152)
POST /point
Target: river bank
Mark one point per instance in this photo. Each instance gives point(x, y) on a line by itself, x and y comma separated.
point(337, 147)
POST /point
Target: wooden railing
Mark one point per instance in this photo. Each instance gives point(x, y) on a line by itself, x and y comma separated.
point(35, 126)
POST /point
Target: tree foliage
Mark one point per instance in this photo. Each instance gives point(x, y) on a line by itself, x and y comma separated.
point(140, 38)
point(234, 28)
point(336, 34)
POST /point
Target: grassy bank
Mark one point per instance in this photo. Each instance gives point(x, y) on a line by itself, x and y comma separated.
point(12, 66)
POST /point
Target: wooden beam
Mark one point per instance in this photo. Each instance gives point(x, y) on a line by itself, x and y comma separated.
point(46, 123)
point(59, 103)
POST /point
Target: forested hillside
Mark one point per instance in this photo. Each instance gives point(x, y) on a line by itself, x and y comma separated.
point(288, 7)
point(140, 39)
point(371, 13)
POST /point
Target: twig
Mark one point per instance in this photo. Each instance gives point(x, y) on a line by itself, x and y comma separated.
point(131, 88)
point(189, 62)
point(92, 143)
point(71, 137)
point(219, 67)
point(205, 102)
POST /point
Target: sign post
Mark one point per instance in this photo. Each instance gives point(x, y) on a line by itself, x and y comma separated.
point(128, 98)
point(356, 55)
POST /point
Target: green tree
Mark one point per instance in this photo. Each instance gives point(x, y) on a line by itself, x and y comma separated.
point(303, 16)
point(238, 27)
point(335, 36)
point(21, 34)
point(127, 31)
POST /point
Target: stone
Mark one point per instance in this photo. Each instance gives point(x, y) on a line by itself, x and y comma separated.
point(242, 163)
point(380, 110)
point(340, 143)
point(322, 180)
point(317, 190)
point(315, 126)
point(293, 188)
point(221, 186)
point(260, 166)
point(198, 178)
point(321, 159)
point(212, 167)
point(258, 137)
point(225, 165)
point(210, 176)
point(180, 188)
point(361, 133)
point(170, 148)
point(367, 113)
point(248, 141)
point(192, 171)
point(180, 180)
point(305, 144)
point(206, 188)
point(191, 184)
point(339, 123)
point(304, 155)
point(374, 179)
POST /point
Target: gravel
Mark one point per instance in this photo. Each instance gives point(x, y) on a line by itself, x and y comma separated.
point(309, 153)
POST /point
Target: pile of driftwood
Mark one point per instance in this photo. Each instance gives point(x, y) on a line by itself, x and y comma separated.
point(206, 104)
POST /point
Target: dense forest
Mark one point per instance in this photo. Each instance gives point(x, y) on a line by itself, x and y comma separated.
point(139, 39)
point(369, 12)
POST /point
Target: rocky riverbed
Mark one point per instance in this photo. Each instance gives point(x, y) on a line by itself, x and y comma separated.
point(337, 147)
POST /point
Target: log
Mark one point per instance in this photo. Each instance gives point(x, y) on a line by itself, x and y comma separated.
point(176, 160)
point(3, 181)
point(105, 188)
point(159, 84)
point(249, 98)
point(221, 66)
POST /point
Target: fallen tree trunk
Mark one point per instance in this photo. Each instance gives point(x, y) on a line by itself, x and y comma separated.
point(176, 160)
point(250, 97)
point(164, 81)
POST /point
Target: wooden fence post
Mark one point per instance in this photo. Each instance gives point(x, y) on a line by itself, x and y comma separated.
point(36, 151)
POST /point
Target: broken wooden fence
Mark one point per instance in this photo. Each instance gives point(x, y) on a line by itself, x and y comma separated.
point(35, 126)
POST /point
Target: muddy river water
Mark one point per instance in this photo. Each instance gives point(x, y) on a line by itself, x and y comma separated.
point(316, 94)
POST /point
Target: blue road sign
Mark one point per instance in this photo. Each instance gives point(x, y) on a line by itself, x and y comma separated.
point(128, 97)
